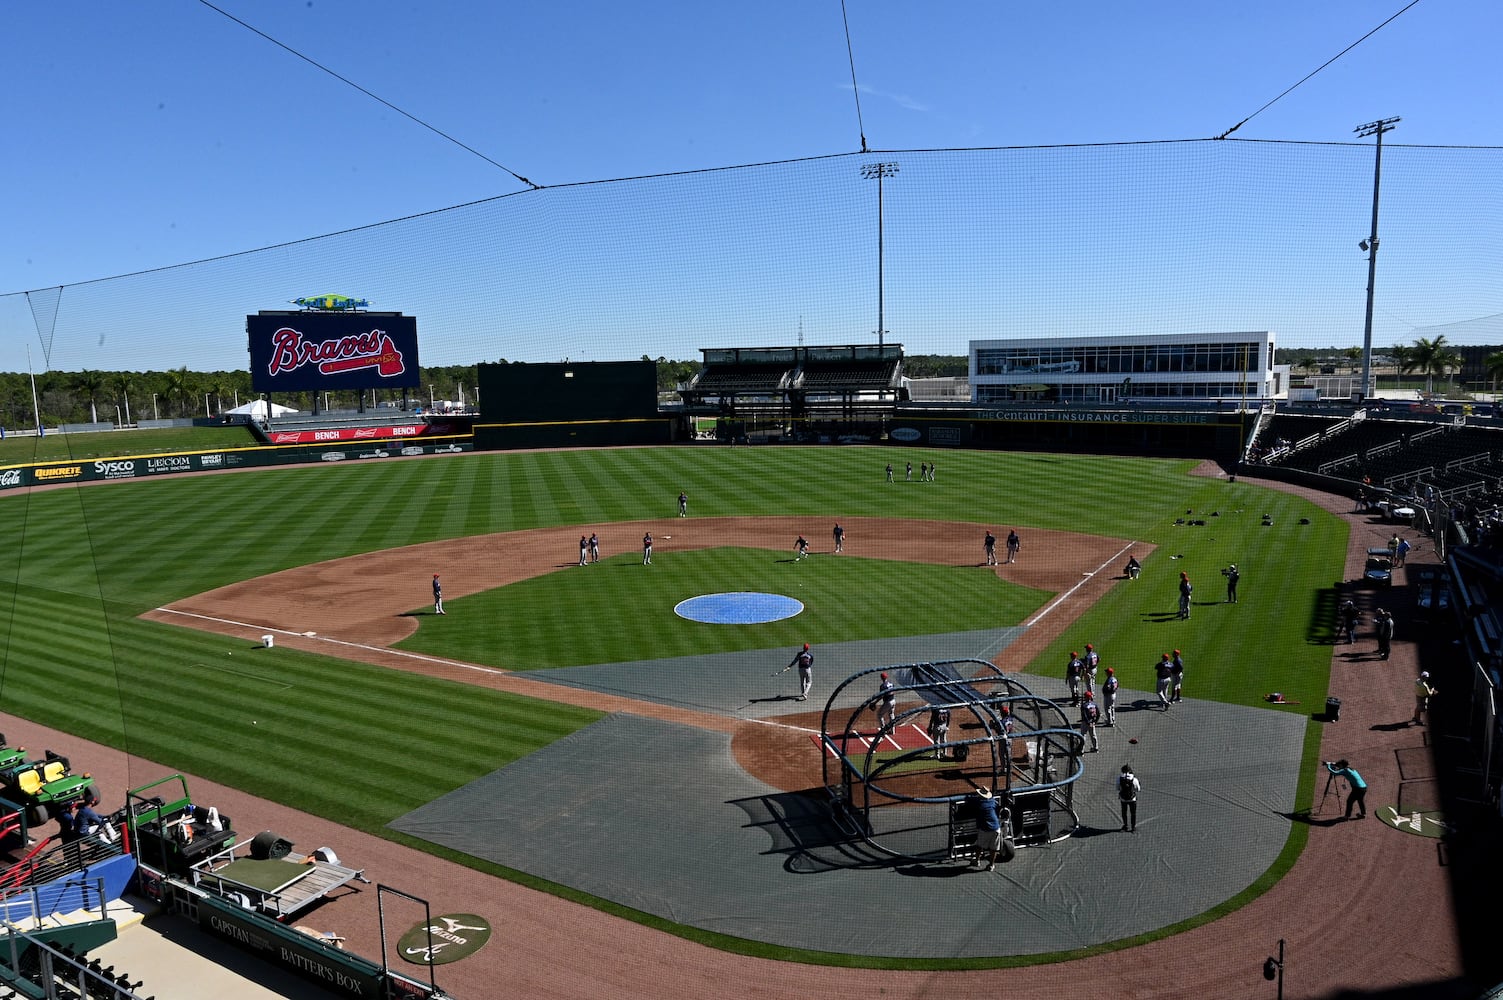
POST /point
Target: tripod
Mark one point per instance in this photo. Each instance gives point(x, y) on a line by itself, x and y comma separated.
point(1321, 808)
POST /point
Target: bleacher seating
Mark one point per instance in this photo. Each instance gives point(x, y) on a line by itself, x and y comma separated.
point(742, 378)
point(869, 377)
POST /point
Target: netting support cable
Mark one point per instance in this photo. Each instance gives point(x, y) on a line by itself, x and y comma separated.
point(1322, 66)
point(855, 90)
point(348, 82)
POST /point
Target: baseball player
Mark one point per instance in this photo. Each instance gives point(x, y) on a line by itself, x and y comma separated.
point(594, 547)
point(804, 660)
point(647, 549)
point(1090, 662)
point(1073, 670)
point(802, 545)
point(1109, 696)
point(839, 538)
point(1163, 672)
point(584, 549)
point(1089, 715)
point(683, 504)
point(888, 703)
point(939, 730)
point(438, 596)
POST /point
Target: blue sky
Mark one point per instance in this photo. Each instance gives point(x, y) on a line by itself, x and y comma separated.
point(148, 135)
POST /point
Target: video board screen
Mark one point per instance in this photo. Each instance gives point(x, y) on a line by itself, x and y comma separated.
point(318, 352)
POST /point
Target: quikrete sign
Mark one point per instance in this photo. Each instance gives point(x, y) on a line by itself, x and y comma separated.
point(444, 939)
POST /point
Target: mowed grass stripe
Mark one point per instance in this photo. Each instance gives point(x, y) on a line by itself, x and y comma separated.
point(244, 526)
point(620, 609)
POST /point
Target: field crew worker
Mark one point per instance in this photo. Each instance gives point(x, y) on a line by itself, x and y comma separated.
point(1128, 788)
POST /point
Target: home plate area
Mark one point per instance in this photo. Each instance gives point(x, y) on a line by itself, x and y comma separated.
point(909, 737)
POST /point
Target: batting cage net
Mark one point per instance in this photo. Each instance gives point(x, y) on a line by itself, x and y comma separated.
point(907, 747)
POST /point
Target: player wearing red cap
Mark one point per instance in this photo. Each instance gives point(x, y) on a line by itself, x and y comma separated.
point(1162, 671)
point(1090, 662)
point(1088, 716)
point(804, 660)
point(1109, 697)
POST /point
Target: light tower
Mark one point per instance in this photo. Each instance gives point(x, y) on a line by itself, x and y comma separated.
point(1370, 247)
point(879, 171)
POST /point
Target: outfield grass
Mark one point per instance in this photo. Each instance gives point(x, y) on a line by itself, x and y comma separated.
point(613, 612)
point(79, 565)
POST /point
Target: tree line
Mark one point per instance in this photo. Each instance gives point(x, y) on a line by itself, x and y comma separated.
point(128, 397)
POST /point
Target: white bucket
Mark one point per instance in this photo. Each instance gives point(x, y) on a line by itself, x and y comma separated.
point(268, 641)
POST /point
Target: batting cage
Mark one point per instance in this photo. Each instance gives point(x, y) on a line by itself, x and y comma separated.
point(906, 747)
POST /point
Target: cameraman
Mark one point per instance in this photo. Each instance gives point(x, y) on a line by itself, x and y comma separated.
point(1232, 576)
point(1356, 787)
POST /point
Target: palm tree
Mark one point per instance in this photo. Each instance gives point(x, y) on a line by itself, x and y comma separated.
point(218, 391)
point(1492, 366)
point(1403, 358)
point(175, 386)
point(1435, 357)
point(90, 382)
point(121, 383)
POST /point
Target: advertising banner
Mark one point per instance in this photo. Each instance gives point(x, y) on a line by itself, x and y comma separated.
point(346, 434)
point(338, 972)
point(144, 466)
point(323, 352)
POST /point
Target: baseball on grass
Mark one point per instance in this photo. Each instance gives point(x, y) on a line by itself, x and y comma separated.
point(254, 722)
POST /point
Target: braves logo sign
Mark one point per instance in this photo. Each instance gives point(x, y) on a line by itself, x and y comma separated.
point(373, 349)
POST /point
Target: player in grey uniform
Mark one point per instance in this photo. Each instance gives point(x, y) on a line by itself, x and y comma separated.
point(1109, 697)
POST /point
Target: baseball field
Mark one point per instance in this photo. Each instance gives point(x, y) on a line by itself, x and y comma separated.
point(126, 607)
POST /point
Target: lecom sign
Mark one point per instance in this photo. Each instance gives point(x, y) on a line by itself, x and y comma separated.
point(317, 352)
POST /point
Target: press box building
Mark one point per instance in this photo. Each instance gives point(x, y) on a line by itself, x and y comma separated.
point(1156, 368)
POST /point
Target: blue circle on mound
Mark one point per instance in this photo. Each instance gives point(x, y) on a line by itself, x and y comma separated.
point(742, 608)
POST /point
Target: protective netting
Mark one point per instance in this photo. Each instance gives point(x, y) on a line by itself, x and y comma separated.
point(1132, 238)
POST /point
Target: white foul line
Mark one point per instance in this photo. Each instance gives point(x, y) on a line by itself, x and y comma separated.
point(385, 650)
point(388, 651)
point(1065, 596)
